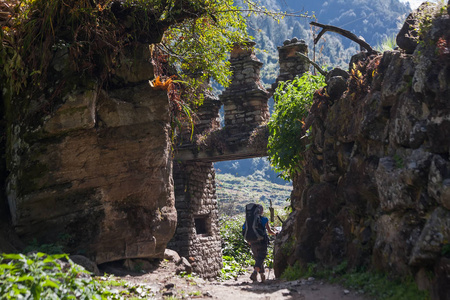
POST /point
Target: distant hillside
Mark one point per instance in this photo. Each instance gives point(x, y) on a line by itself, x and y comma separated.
point(374, 20)
point(258, 168)
point(234, 192)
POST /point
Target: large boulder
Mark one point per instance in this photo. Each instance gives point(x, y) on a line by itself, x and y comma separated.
point(408, 37)
point(434, 235)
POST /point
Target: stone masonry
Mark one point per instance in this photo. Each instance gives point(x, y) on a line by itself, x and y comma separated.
point(291, 64)
point(208, 114)
point(197, 234)
point(245, 100)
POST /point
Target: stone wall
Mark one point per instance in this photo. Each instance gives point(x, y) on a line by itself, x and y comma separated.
point(374, 190)
point(197, 235)
point(95, 174)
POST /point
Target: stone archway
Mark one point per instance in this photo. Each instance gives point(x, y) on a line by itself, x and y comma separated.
point(244, 135)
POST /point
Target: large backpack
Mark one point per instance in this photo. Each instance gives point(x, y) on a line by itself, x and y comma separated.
point(254, 229)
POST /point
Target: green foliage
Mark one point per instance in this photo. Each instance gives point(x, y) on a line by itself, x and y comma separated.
point(196, 34)
point(234, 244)
point(87, 40)
point(52, 248)
point(293, 100)
point(140, 291)
point(388, 44)
point(446, 250)
point(202, 44)
point(426, 16)
point(110, 280)
point(40, 276)
point(43, 276)
point(399, 163)
point(191, 277)
point(231, 268)
point(39, 28)
point(195, 293)
point(46, 248)
point(295, 272)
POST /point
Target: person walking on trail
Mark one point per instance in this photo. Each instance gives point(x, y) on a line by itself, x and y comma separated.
point(255, 231)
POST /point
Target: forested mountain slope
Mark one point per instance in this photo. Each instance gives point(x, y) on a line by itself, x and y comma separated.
point(374, 21)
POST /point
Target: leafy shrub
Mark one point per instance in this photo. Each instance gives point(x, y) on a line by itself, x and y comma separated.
point(231, 268)
point(233, 243)
point(293, 100)
point(446, 250)
point(389, 43)
point(53, 248)
point(293, 272)
point(311, 270)
point(41, 276)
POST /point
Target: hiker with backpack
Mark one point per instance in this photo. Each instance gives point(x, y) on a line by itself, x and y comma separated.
point(255, 231)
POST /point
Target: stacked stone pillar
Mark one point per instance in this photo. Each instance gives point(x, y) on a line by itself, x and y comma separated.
point(245, 100)
point(291, 64)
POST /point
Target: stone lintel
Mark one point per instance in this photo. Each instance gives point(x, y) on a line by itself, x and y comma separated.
point(228, 143)
point(244, 93)
point(215, 155)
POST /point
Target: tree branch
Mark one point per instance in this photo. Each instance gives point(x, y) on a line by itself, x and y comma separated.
point(318, 68)
point(342, 32)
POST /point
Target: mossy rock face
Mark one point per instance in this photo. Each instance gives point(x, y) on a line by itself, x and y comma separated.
point(377, 176)
point(135, 66)
point(71, 168)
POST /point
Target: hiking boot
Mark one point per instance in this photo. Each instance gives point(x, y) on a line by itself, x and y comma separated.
point(263, 277)
point(253, 276)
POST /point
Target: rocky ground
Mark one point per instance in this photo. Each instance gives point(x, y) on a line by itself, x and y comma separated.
point(160, 282)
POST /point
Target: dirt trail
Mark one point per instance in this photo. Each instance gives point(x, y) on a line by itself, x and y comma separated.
point(162, 283)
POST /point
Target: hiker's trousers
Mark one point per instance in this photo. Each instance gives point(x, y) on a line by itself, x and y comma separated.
point(259, 250)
